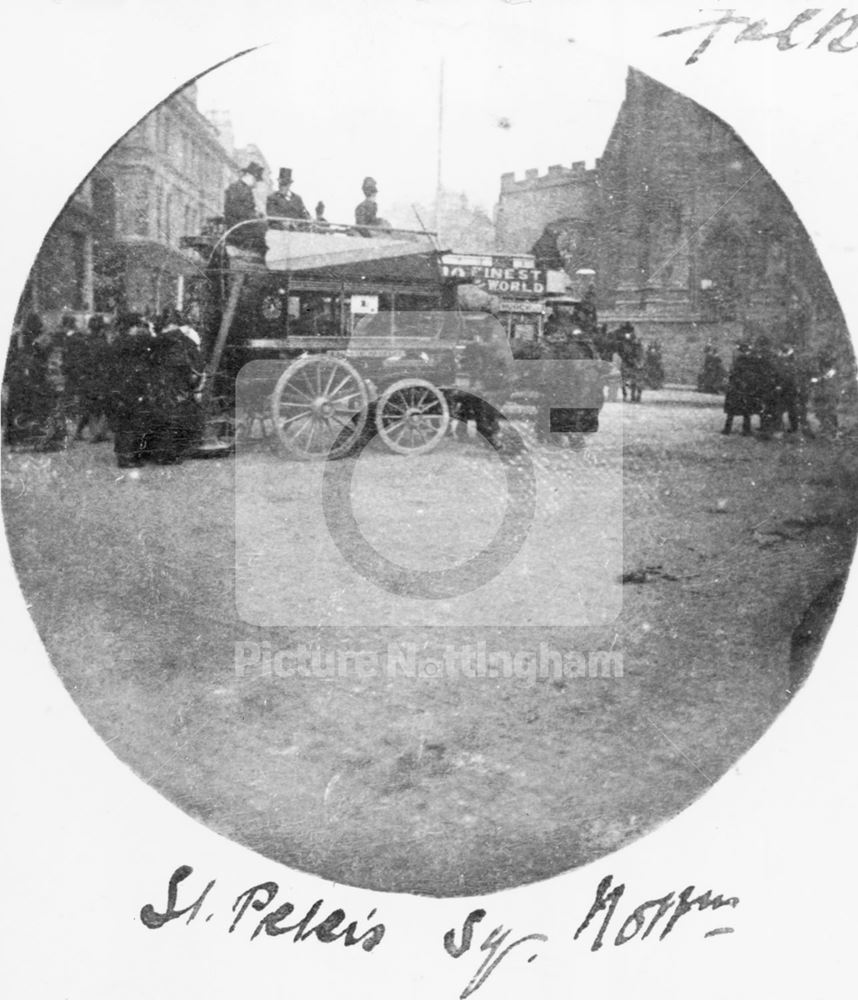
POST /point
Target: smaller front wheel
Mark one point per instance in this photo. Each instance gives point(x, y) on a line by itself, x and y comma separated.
point(412, 416)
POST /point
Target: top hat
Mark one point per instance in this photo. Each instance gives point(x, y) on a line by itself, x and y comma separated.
point(254, 168)
point(285, 175)
point(369, 186)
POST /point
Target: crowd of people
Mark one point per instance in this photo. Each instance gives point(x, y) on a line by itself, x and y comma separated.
point(780, 384)
point(136, 379)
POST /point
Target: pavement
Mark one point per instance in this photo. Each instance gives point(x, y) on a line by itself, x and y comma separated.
point(607, 630)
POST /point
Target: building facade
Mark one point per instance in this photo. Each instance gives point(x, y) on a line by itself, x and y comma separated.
point(690, 238)
point(697, 243)
point(160, 182)
point(62, 279)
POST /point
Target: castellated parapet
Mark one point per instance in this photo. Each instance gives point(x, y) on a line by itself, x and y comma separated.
point(557, 174)
point(526, 206)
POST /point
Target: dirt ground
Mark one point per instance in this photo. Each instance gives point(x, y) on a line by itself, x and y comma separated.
point(147, 592)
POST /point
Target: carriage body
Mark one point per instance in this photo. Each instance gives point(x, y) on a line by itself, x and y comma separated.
point(352, 331)
point(363, 316)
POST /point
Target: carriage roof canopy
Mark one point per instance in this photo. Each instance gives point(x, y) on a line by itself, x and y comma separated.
point(295, 250)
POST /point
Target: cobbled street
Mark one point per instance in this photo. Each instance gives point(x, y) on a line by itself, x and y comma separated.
point(173, 604)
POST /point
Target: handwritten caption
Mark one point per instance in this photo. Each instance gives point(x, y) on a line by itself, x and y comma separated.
point(837, 30)
point(330, 926)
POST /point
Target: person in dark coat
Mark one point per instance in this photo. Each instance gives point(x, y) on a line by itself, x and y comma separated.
point(240, 206)
point(174, 422)
point(284, 203)
point(742, 396)
point(767, 388)
point(129, 399)
point(630, 350)
point(85, 360)
point(31, 391)
point(75, 363)
point(654, 366)
point(793, 379)
point(712, 377)
point(46, 387)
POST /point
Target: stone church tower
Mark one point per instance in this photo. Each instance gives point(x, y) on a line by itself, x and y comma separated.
point(693, 240)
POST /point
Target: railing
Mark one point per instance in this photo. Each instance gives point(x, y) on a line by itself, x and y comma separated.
point(309, 226)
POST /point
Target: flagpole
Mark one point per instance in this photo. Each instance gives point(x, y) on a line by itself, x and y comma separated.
point(440, 143)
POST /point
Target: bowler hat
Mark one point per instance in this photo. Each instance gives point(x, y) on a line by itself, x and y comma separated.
point(254, 168)
point(285, 175)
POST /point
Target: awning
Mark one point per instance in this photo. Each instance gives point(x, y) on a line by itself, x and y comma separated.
point(151, 253)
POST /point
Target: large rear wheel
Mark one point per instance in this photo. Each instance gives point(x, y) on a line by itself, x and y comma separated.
point(319, 407)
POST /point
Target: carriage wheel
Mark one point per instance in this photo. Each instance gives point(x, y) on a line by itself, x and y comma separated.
point(319, 407)
point(412, 416)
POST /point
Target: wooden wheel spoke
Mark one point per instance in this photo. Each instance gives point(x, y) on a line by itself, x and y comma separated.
point(337, 403)
point(288, 420)
point(333, 392)
point(342, 422)
point(420, 430)
point(294, 387)
point(395, 424)
point(327, 390)
point(298, 431)
point(312, 433)
point(398, 432)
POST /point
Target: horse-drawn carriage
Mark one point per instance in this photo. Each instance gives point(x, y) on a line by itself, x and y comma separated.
point(352, 331)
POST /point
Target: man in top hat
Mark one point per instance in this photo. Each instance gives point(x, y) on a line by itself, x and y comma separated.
point(284, 203)
point(239, 206)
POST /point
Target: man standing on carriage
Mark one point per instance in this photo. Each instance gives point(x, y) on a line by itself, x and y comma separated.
point(366, 213)
point(284, 203)
point(239, 206)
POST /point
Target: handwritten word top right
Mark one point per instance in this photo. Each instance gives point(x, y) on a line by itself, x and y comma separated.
point(837, 30)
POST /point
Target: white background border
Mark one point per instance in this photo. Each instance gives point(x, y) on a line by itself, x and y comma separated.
point(85, 844)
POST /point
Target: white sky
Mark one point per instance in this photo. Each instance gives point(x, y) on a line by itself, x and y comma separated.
point(359, 96)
